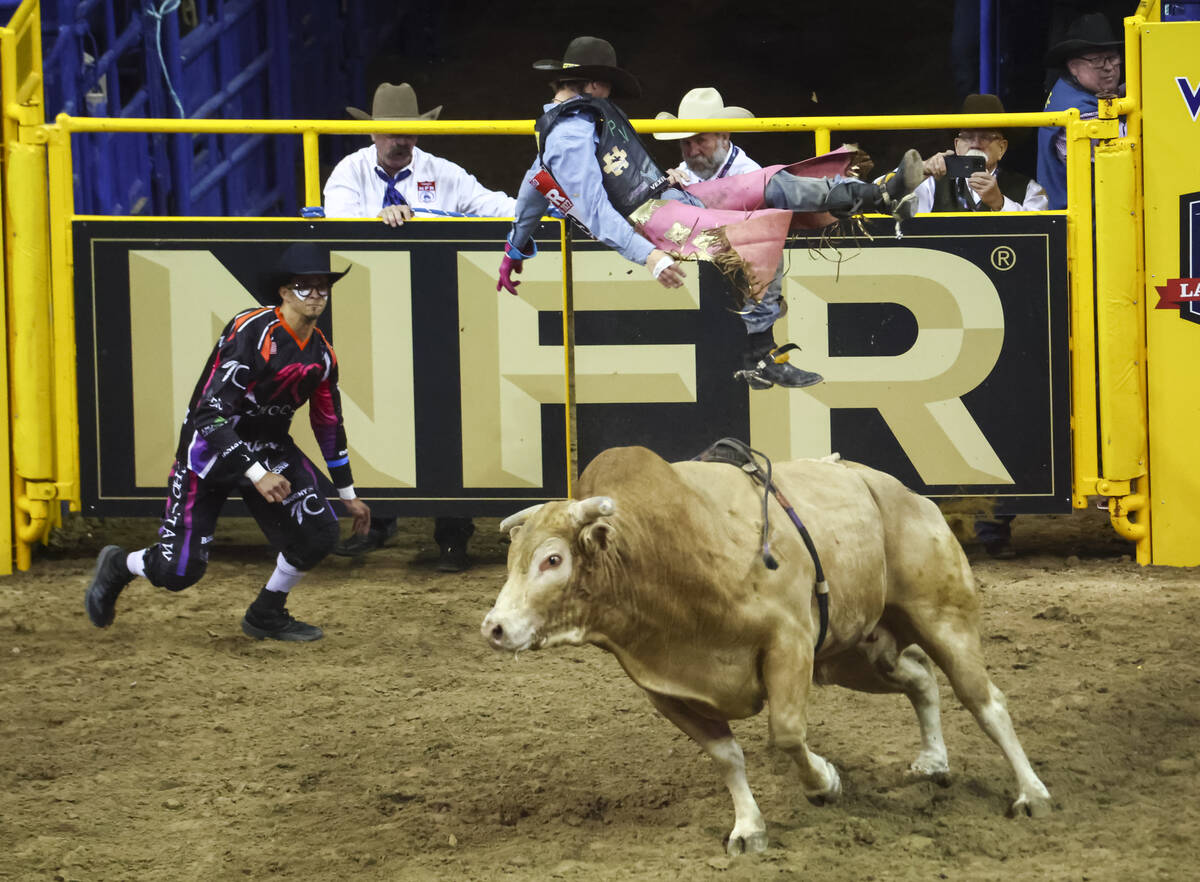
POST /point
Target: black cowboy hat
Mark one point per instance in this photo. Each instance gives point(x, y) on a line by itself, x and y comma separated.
point(1087, 33)
point(985, 103)
point(299, 259)
point(591, 58)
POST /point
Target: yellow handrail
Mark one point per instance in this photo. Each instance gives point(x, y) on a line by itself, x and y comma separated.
point(525, 126)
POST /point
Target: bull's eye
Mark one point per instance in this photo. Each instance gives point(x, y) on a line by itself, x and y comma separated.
point(551, 561)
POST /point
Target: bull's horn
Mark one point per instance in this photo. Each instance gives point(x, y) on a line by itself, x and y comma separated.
point(515, 520)
point(587, 510)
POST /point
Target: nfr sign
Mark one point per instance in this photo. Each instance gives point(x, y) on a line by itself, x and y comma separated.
point(943, 353)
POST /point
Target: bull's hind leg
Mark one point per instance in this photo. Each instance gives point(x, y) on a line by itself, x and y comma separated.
point(953, 643)
point(877, 666)
point(788, 672)
point(749, 832)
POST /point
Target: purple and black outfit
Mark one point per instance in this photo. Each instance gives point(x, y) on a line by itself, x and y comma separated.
point(237, 425)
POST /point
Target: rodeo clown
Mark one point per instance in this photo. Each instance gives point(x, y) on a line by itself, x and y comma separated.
point(267, 363)
point(592, 167)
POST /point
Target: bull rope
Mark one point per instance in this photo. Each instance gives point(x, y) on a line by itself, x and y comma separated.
point(738, 453)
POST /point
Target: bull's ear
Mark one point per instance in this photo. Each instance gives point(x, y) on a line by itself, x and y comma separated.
point(595, 537)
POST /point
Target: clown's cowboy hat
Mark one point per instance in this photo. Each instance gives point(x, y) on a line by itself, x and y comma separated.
point(1088, 33)
point(703, 103)
point(591, 58)
point(394, 102)
point(299, 259)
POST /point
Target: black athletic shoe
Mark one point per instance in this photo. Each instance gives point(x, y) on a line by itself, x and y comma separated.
point(453, 559)
point(109, 579)
point(280, 626)
point(772, 369)
point(268, 619)
point(1001, 549)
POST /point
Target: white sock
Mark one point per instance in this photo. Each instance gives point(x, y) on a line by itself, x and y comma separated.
point(285, 576)
point(135, 562)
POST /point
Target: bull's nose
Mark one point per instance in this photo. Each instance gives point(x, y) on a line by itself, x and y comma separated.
point(496, 637)
point(493, 632)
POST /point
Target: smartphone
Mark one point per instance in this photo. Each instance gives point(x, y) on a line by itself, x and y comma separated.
point(964, 166)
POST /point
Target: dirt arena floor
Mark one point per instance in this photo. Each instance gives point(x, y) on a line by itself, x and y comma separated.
point(171, 747)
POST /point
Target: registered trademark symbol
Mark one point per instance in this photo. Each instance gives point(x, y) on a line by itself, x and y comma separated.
point(1003, 258)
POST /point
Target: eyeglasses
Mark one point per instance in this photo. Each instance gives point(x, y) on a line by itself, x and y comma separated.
point(1099, 62)
point(304, 291)
point(981, 137)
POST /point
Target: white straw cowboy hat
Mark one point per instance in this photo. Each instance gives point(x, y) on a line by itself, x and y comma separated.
point(394, 102)
point(703, 103)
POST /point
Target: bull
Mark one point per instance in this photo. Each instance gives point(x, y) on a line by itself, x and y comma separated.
point(659, 563)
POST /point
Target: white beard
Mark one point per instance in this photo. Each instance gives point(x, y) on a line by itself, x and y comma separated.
point(705, 167)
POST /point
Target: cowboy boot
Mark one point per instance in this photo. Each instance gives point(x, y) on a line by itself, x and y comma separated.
point(849, 198)
point(766, 365)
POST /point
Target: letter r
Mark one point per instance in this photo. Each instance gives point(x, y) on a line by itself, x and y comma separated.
point(960, 331)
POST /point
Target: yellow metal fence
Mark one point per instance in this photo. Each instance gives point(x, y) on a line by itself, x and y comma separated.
point(1107, 339)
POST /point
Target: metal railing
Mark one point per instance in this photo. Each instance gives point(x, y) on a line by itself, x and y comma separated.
point(1108, 377)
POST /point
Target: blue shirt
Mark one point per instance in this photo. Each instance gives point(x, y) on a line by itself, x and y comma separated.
point(1051, 169)
point(570, 155)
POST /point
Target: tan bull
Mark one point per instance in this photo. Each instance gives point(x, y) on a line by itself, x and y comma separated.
point(660, 565)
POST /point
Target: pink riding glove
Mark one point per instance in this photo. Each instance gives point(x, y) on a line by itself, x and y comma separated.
point(508, 266)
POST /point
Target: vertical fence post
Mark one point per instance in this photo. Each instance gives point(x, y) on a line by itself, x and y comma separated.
point(1083, 312)
point(312, 167)
point(569, 358)
point(820, 141)
point(30, 342)
point(62, 300)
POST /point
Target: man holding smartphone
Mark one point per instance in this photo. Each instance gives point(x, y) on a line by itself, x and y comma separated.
point(969, 177)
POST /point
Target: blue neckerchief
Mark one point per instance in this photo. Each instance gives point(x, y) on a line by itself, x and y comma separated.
point(391, 196)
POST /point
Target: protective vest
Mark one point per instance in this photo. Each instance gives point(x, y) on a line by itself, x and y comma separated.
point(1052, 171)
point(949, 194)
point(629, 175)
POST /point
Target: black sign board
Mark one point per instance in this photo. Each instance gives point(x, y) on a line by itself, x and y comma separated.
point(944, 352)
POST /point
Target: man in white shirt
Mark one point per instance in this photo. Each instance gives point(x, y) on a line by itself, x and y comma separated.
point(390, 179)
point(393, 176)
point(707, 155)
point(994, 188)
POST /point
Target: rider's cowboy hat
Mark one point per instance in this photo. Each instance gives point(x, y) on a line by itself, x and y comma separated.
point(702, 103)
point(394, 102)
point(591, 58)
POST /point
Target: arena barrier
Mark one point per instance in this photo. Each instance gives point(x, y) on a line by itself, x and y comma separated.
point(944, 355)
point(941, 317)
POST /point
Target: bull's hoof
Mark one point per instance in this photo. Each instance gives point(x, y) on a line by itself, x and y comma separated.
point(1027, 806)
point(832, 791)
point(755, 843)
point(931, 766)
point(919, 771)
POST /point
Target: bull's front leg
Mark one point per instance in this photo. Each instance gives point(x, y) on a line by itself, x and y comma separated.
point(749, 832)
point(787, 672)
